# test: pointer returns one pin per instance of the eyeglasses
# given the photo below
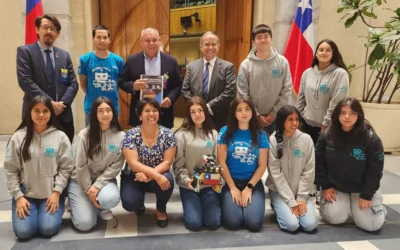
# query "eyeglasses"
(46, 28)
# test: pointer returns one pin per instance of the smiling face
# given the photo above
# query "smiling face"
(291, 123)
(209, 47)
(347, 118)
(40, 115)
(324, 53)
(149, 115)
(104, 114)
(47, 32)
(243, 112)
(197, 115)
(263, 41)
(101, 40)
(150, 43)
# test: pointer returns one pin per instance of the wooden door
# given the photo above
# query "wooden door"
(126, 19)
(234, 29)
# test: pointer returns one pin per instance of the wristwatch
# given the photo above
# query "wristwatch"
(250, 186)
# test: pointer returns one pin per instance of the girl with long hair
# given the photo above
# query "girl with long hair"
(291, 168)
(37, 166)
(98, 157)
(242, 155)
(195, 138)
(349, 164)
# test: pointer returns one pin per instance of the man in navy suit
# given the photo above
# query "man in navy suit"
(151, 61)
(44, 69)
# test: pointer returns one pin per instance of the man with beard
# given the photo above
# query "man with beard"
(43, 69)
(99, 71)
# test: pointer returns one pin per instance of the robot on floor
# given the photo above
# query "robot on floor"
(208, 175)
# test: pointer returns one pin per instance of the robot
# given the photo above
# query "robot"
(207, 175)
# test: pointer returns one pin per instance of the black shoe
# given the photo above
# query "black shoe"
(140, 212)
(162, 223)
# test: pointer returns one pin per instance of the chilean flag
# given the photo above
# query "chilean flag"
(300, 46)
(33, 9)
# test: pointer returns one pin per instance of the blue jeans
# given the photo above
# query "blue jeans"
(132, 192)
(251, 216)
(287, 220)
(39, 221)
(83, 212)
(200, 209)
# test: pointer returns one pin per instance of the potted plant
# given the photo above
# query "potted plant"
(382, 80)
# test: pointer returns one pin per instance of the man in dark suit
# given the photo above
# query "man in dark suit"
(44, 69)
(151, 61)
(211, 78)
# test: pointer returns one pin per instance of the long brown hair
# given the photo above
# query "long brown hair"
(337, 58)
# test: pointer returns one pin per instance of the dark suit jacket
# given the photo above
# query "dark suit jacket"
(134, 67)
(32, 78)
(222, 88)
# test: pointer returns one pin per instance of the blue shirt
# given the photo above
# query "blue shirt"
(242, 158)
(101, 77)
(152, 66)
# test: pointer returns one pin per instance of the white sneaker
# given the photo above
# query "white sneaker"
(106, 214)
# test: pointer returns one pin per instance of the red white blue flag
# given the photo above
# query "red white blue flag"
(33, 9)
(300, 46)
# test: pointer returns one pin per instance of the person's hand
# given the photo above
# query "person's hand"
(52, 202)
(263, 121)
(295, 211)
(270, 119)
(302, 207)
(189, 184)
(166, 103)
(58, 107)
(323, 127)
(140, 84)
(329, 195)
(363, 204)
(236, 196)
(163, 182)
(246, 196)
(92, 194)
(22, 207)
(141, 177)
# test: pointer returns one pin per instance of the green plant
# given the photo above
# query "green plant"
(384, 42)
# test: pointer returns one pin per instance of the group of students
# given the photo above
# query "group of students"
(40, 172)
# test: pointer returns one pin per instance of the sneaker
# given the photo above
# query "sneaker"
(106, 214)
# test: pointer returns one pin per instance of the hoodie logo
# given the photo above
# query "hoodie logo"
(358, 154)
(209, 144)
(50, 152)
(113, 148)
(324, 89)
(343, 89)
(297, 153)
(276, 72)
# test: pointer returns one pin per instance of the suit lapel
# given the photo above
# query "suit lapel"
(38, 54)
(163, 63)
(200, 69)
(140, 66)
(214, 74)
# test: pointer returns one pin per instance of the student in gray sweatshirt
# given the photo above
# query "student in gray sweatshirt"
(37, 166)
(291, 168)
(195, 138)
(98, 160)
(322, 86)
(265, 77)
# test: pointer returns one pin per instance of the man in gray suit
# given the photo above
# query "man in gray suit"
(211, 78)
(44, 69)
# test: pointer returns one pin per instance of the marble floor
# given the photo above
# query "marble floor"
(142, 232)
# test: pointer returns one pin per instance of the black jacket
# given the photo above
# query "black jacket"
(349, 167)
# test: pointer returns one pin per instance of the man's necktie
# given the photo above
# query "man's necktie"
(205, 81)
(50, 74)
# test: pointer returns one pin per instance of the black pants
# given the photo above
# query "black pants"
(312, 131)
(68, 128)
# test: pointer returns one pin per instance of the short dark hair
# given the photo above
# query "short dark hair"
(100, 27)
(260, 29)
(337, 58)
(143, 102)
(53, 19)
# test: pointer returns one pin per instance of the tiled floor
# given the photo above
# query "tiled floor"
(142, 232)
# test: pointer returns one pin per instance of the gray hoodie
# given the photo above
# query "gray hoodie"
(47, 171)
(293, 175)
(190, 151)
(320, 92)
(104, 167)
(267, 82)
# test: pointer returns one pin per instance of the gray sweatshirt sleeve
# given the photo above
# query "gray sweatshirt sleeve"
(111, 172)
(243, 84)
(12, 168)
(340, 92)
(279, 180)
(286, 88)
(81, 163)
(301, 99)
(65, 165)
(308, 175)
(180, 170)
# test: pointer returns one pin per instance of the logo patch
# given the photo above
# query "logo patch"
(358, 154)
(323, 88)
(343, 89)
(209, 144)
(50, 152)
(297, 153)
(113, 148)
(276, 72)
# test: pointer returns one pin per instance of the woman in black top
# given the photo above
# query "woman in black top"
(349, 164)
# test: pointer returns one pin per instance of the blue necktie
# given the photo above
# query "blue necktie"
(205, 81)
(50, 74)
